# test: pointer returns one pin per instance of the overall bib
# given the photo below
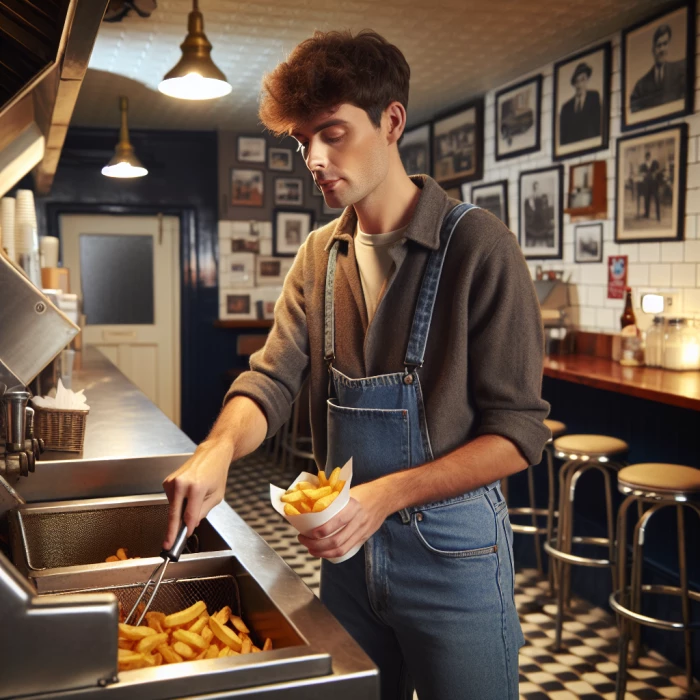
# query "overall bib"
(429, 597)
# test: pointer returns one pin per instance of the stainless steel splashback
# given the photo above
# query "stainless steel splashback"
(32, 330)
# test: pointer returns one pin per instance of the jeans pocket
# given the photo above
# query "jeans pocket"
(459, 530)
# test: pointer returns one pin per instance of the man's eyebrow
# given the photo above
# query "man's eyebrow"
(324, 125)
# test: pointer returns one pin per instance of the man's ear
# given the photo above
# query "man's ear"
(395, 115)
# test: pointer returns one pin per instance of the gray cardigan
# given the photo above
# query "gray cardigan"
(483, 365)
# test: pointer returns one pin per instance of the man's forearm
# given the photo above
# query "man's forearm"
(241, 427)
(481, 461)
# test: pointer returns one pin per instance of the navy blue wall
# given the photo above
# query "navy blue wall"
(182, 180)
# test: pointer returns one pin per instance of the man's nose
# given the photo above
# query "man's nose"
(316, 156)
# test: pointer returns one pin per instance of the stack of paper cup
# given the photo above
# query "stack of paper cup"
(26, 237)
(7, 225)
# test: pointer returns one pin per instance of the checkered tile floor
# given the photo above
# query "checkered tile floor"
(585, 669)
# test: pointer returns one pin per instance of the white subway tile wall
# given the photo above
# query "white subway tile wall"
(652, 266)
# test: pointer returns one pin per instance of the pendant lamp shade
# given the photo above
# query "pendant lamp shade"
(195, 76)
(124, 163)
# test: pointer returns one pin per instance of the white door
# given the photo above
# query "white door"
(126, 271)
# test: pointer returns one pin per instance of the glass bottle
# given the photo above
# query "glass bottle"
(673, 344)
(628, 318)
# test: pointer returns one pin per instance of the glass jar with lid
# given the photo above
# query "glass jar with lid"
(681, 345)
(690, 339)
(654, 351)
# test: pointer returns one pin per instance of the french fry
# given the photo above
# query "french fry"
(322, 480)
(134, 633)
(333, 478)
(111, 559)
(159, 659)
(148, 644)
(207, 634)
(193, 640)
(125, 656)
(121, 554)
(238, 623)
(184, 616)
(301, 485)
(268, 645)
(339, 485)
(169, 656)
(223, 615)
(293, 497)
(212, 652)
(126, 644)
(155, 621)
(200, 655)
(247, 646)
(289, 509)
(225, 634)
(304, 507)
(315, 494)
(198, 625)
(225, 651)
(323, 503)
(184, 650)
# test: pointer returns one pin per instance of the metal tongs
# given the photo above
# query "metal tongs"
(172, 554)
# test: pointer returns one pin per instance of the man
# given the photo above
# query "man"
(579, 118)
(535, 217)
(402, 314)
(665, 81)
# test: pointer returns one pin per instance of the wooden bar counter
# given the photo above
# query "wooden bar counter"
(680, 389)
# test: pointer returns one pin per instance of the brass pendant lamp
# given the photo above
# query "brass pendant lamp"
(195, 76)
(124, 164)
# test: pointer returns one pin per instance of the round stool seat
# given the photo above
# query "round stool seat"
(591, 445)
(669, 478)
(556, 427)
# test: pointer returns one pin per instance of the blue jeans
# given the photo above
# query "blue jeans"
(430, 599)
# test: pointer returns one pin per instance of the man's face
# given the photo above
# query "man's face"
(581, 84)
(347, 155)
(535, 187)
(661, 49)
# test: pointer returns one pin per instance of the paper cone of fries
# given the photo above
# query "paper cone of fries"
(305, 522)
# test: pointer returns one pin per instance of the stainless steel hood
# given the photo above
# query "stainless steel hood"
(44, 51)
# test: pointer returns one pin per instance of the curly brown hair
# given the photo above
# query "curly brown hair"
(330, 69)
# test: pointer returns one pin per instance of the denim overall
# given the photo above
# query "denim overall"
(429, 597)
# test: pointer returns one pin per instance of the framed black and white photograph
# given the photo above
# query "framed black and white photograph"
(280, 159)
(540, 218)
(458, 145)
(518, 109)
(289, 191)
(650, 185)
(251, 149)
(493, 197)
(581, 114)
(658, 67)
(247, 187)
(270, 271)
(588, 243)
(237, 304)
(237, 270)
(415, 150)
(291, 229)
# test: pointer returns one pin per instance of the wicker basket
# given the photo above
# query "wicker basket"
(62, 430)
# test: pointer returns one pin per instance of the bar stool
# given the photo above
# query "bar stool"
(293, 444)
(581, 454)
(662, 486)
(557, 428)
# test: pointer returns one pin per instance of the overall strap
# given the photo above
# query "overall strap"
(415, 353)
(329, 308)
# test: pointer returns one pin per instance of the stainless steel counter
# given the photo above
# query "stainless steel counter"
(131, 447)
(134, 444)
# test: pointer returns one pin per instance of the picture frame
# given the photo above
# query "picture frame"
(588, 243)
(271, 271)
(237, 270)
(518, 115)
(416, 149)
(458, 144)
(291, 227)
(658, 67)
(289, 191)
(454, 193)
(247, 187)
(492, 196)
(588, 190)
(651, 170)
(280, 159)
(265, 300)
(540, 198)
(243, 236)
(251, 149)
(581, 103)
(237, 304)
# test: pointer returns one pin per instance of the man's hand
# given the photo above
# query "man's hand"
(202, 481)
(356, 523)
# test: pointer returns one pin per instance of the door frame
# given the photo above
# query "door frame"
(187, 275)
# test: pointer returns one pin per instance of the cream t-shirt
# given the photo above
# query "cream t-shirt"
(375, 263)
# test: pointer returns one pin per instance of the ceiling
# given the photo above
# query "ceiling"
(456, 49)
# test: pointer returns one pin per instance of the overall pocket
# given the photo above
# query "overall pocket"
(466, 528)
